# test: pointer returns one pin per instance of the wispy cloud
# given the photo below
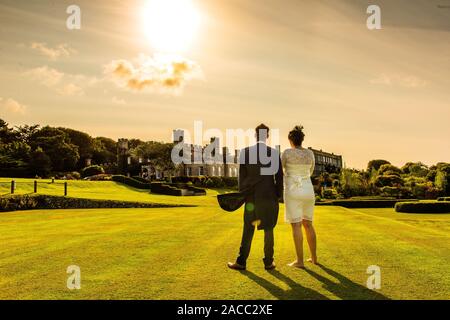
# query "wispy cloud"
(162, 73)
(12, 106)
(407, 81)
(61, 50)
(63, 83)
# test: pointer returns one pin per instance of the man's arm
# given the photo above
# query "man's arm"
(279, 179)
(242, 171)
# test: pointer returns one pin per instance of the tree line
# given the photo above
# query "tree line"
(32, 150)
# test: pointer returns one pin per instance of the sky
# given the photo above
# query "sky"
(128, 72)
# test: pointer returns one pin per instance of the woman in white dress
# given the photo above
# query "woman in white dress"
(299, 197)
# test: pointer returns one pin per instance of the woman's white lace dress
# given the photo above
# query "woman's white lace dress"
(299, 198)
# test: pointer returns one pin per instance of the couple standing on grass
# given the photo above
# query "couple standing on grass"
(261, 183)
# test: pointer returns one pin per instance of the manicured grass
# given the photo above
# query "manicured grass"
(96, 190)
(181, 253)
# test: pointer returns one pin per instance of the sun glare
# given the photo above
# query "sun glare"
(170, 25)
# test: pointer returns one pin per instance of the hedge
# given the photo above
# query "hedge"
(160, 188)
(423, 207)
(443, 199)
(388, 203)
(176, 189)
(29, 202)
(140, 179)
(131, 182)
(92, 171)
(209, 182)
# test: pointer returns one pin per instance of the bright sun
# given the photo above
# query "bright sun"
(170, 25)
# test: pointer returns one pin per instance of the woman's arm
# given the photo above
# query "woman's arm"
(313, 164)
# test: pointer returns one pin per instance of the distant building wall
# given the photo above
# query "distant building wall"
(326, 162)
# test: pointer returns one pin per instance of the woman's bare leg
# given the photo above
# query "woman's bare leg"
(311, 238)
(298, 241)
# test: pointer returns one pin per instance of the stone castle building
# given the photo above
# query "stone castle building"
(325, 161)
(224, 164)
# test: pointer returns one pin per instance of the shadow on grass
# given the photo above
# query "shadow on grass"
(296, 291)
(346, 289)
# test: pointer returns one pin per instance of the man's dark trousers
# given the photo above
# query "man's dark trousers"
(246, 243)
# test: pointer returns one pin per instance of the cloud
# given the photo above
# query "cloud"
(406, 81)
(118, 101)
(162, 73)
(63, 83)
(12, 106)
(46, 76)
(61, 50)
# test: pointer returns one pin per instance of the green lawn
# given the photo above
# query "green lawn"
(181, 253)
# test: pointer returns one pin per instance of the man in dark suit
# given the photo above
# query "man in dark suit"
(261, 181)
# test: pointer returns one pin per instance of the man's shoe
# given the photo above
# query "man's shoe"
(235, 266)
(270, 267)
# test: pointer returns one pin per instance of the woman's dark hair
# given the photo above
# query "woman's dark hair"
(297, 136)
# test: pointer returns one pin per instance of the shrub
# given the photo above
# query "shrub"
(131, 182)
(29, 202)
(75, 175)
(395, 192)
(209, 182)
(390, 203)
(230, 182)
(140, 179)
(329, 194)
(388, 181)
(176, 189)
(161, 188)
(92, 171)
(215, 182)
(352, 183)
(423, 207)
(376, 164)
(389, 169)
(442, 180)
(100, 177)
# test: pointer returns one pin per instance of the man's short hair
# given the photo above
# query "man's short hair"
(262, 132)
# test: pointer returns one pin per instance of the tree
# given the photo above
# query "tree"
(24, 133)
(105, 151)
(389, 181)
(389, 169)
(6, 134)
(84, 142)
(40, 163)
(353, 183)
(158, 155)
(56, 145)
(376, 164)
(14, 159)
(442, 180)
(417, 169)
